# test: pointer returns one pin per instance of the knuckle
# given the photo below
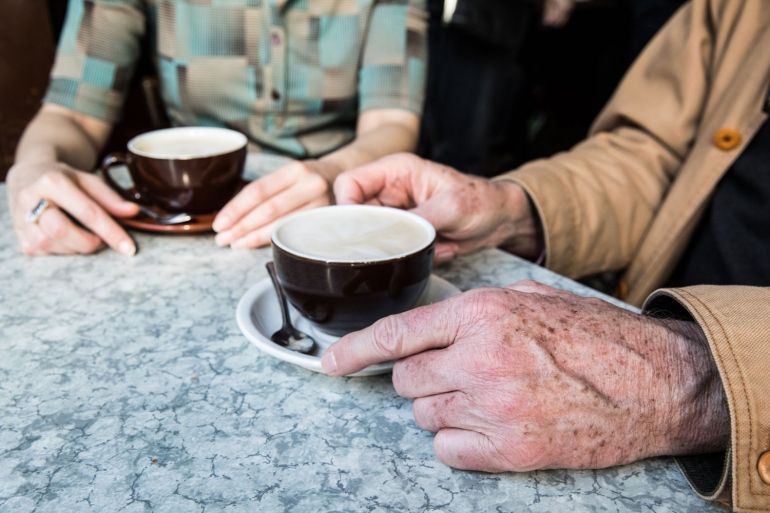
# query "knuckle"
(489, 301)
(27, 248)
(58, 230)
(399, 377)
(387, 338)
(41, 246)
(52, 180)
(92, 245)
(422, 415)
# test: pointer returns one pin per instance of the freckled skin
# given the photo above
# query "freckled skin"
(468, 212)
(530, 378)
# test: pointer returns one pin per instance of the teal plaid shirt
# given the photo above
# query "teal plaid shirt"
(290, 74)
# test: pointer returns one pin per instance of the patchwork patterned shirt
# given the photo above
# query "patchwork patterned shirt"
(290, 74)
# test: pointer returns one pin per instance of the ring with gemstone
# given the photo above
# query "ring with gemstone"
(34, 215)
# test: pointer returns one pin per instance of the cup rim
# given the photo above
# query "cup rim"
(353, 261)
(240, 142)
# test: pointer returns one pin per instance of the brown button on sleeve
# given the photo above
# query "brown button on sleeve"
(763, 467)
(727, 139)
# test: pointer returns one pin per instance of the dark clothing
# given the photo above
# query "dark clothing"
(476, 109)
(648, 16)
(731, 245)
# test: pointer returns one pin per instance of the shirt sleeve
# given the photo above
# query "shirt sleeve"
(736, 322)
(393, 68)
(98, 49)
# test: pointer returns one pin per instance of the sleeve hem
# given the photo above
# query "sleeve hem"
(391, 102)
(708, 479)
(102, 111)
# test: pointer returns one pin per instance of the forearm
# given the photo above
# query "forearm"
(55, 135)
(372, 143)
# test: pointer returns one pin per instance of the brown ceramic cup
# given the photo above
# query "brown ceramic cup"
(348, 290)
(187, 169)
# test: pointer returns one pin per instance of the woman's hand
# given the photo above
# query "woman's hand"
(247, 221)
(77, 219)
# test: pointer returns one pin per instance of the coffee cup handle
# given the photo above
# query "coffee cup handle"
(114, 159)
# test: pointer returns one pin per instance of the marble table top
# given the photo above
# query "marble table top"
(126, 386)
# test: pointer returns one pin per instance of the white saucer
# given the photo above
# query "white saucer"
(259, 317)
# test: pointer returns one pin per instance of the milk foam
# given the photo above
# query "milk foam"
(350, 234)
(187, 142)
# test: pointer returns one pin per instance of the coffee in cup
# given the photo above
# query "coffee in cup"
(344, 267)
(187, 169)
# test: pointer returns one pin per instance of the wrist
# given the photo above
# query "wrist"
(523, 233)
(23, 172)
(692, 408)
(328, 167)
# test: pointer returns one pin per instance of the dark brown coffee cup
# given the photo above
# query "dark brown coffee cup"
(344, 293)
(187, 169)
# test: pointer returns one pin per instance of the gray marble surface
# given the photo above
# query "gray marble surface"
(125, 385)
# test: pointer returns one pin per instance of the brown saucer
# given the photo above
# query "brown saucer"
(199, 224)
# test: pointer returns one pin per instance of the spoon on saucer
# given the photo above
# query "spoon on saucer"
(288, 336)
(159, 218)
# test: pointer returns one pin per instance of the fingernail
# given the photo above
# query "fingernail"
(127, 248)
(329, 363)
(220, 223)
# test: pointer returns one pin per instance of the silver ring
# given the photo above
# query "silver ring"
(34, 215)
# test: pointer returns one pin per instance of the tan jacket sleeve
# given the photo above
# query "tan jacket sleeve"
(605, 191)
(736, 322)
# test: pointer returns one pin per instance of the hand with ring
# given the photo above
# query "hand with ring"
(59, 210)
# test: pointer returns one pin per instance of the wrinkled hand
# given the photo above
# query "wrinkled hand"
(468, 212)
(530, 377)
(247, 221)
(84, 196)
(556, 13)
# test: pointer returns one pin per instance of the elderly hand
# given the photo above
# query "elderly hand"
(530, 377)
(247, 221)
(468, 212)
(84, 196)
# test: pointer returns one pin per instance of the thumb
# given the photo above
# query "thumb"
(438, 210)
(365, 183)
(397, 336)
(347, 190)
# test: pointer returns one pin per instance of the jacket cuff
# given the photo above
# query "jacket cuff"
(736, 323)
(559, 225)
